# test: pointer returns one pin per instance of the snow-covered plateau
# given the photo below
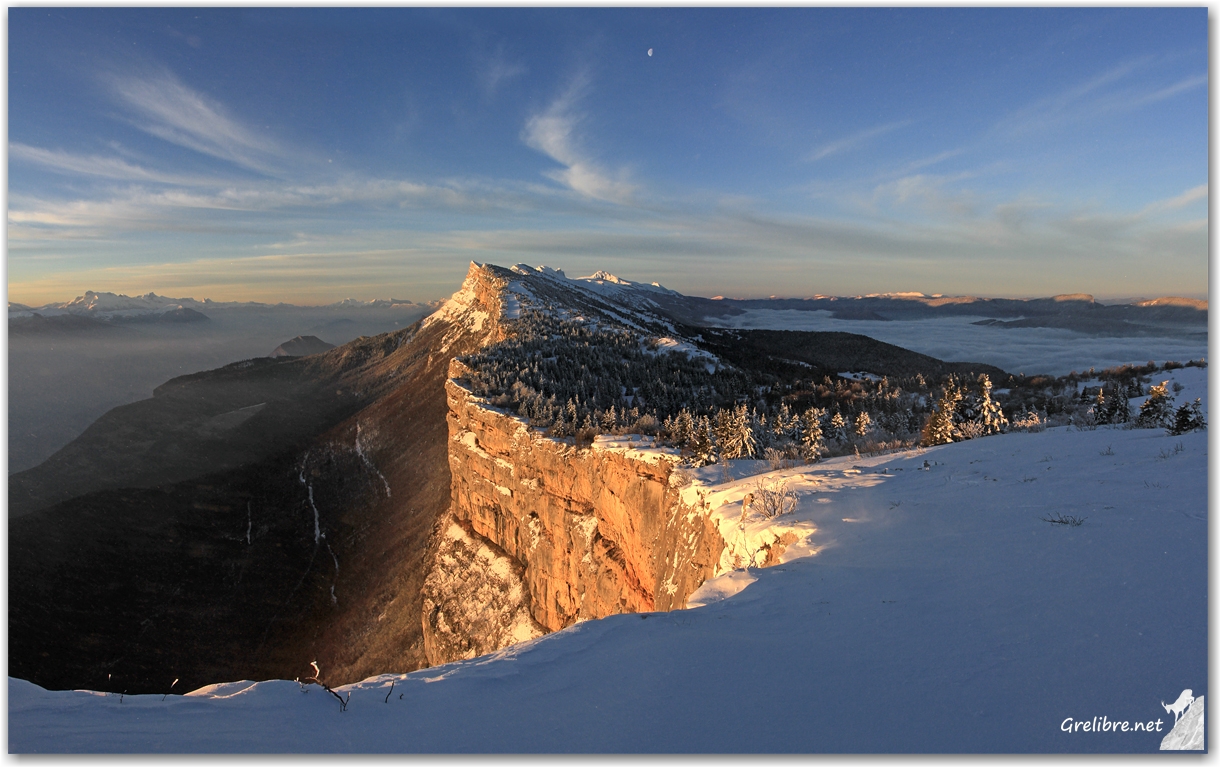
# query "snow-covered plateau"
(938, 600)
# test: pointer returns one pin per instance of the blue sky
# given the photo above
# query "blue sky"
(311, 155)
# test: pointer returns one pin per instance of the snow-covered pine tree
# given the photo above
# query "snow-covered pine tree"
(561, 428)
(760, 432)
(702, 446)
(1157, 410)
(684, 425)
(939, 430)
(1101, 407)
(862, 423)
(838, 427)
(1188, 418)
(990, 415)
(784, 424)
(724, 434)
(813, 443)
(743, 444)
(1119, 408)
(609, 420)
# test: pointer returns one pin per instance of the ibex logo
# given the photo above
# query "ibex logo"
(1179, 706)
(1188, 715)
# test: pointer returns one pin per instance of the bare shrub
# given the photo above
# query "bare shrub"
(648, 424)
(1067, 520)
(773, 499)
(971, 430)
(779, 460)
(585, 437)
(1030, 422)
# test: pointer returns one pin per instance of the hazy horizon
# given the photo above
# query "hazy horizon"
(309, 155)
(272, 299)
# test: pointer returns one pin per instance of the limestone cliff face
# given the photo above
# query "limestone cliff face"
(592, 531)
(470, 572)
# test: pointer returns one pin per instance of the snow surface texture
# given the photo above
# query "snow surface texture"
(955, 339)
(941, 613)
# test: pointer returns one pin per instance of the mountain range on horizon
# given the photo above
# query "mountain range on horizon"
(1077, 311)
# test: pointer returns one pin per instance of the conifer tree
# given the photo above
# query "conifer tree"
(939, 430)
(1188, 418)
(724, 434)
(1101, 407)
(784, 425)
(813, 444)
(702, 446)
(684, 425)
(1157, 410)
(862, 423)
(838, 427)
(1119, 408)
(990, 415)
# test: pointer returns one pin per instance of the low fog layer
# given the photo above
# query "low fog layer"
(1016, 350)
(60, 382)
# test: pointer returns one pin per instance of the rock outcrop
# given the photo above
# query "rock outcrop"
(593, 530)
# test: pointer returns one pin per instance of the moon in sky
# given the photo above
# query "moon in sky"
(650, 51)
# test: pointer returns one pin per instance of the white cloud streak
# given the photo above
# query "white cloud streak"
(171, 111)
(554, 133)
(853, 141)
(495, 69)
(96, 165)
(1100, 95)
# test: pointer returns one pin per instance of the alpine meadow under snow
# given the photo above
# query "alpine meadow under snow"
(981, 596)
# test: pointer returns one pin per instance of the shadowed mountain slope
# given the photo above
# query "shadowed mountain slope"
(240, 524)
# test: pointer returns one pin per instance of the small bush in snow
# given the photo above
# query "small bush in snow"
(1066, 520)
(772, 500)
(1030, 422)
(779, 459)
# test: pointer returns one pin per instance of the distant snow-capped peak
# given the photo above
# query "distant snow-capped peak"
(93, 302)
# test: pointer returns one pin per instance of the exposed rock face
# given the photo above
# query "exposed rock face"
(474, 599)
(593, 531)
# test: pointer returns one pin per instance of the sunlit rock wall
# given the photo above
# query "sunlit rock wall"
(593, 531)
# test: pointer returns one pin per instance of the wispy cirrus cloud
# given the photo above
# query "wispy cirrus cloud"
(240, 204)
(167, 108)
(115, 168)
(1176, 202)
(495, 68)
(851, 142)
(554, 133)
(1113, 91)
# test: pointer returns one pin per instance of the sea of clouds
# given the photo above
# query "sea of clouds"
(1016, 350)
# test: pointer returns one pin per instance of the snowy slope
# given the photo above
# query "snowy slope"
(940, 613)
